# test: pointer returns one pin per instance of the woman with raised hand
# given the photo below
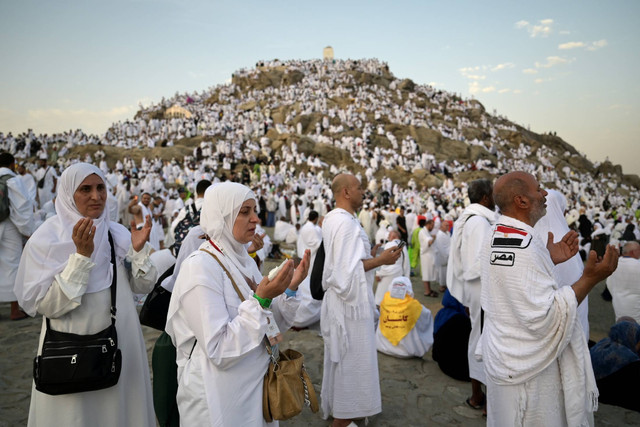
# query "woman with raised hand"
(65, 275)
(222, 352)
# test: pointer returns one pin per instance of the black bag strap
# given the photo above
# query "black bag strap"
(113, 280)
(113, 283)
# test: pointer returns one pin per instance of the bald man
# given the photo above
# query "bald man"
(350, 383)
(537, 364)
(624, 283)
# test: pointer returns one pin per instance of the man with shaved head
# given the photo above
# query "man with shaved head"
(350, 383)
(624, 284)
(536, 360)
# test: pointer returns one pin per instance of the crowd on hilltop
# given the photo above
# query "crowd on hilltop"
(233, 135)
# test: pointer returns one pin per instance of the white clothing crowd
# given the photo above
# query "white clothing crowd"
(289, 185)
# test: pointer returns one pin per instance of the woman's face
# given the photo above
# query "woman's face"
(245, 225)
(91, 196)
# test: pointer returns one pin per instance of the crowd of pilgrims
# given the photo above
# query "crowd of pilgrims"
(235, 147)
(232, 136)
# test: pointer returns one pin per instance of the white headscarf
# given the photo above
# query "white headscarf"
(47, 251)
(568, 272)
(404, 283)
(597, 230)
(221, 206)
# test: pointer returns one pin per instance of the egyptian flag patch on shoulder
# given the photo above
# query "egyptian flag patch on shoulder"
(506, 236)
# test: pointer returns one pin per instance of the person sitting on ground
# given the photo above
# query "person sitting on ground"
(405, 328)
(616, 365)
(451, 331)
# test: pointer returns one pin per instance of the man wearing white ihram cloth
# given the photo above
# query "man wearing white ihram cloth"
(537, 364)
(463, 272)
(350, 383)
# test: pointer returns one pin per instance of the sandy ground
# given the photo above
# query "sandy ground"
(414, 391)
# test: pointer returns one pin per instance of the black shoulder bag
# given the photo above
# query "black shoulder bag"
(156, 305)
(315, 281)
(72, 363)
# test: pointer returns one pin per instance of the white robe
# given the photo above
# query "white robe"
(387, 273)
(46, 192)
(464, 269)
(567, 273)
(30, 185)
(350, 385)
(415, 344)
(532, 341)
(128, 403)
(367, 222)
(309, 311)
(220, 384)
(19, 223)
(442, 246)
(427, 256)
(623, 285)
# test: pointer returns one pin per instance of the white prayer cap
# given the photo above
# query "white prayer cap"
(43, 156)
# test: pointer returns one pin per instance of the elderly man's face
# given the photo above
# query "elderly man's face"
(537, 196)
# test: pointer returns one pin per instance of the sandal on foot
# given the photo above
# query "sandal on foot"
(432, 294)
(471, 405)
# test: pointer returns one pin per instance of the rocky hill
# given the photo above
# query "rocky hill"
(363, 104)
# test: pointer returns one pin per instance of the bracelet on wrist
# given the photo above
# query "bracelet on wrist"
(252, 254)
(290, 293)
(264, 302)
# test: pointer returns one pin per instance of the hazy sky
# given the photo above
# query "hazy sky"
(563, 66)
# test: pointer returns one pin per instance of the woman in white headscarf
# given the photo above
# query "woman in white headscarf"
(221, 347)
(568, 272)
(65, 275)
